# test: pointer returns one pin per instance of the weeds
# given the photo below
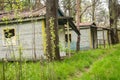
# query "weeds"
(54, 70)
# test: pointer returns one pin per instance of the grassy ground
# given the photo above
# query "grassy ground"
(106, 68)
(100, 64)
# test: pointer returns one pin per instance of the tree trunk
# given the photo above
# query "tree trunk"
(11, 5)
(93, 10)
(78, 4)
(51, 13)
(37, 3)
(69, 8)
(1, 5)
(113, 21)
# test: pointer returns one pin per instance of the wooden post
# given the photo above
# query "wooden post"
(108, 36)
(68, 32)
(103, 38)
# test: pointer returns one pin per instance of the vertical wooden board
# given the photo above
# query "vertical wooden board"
(106, 36)
(90, 38)
(100, 34)
(95, 36)
(43, 37)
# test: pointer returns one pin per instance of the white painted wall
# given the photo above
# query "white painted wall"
(25, 35)
(84, 39)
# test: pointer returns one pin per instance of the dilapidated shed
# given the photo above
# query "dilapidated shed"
(24, 33)
(103, 36)
(88, 37)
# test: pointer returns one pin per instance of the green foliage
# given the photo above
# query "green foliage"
(17, 4)
(103, 64)
(52, 32)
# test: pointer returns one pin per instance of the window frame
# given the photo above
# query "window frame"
(66, 37)
(11, 40)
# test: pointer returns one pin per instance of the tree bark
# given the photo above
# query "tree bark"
(93, 10)
(78, 20)
(37, 3)
(113, 21)
(51, 12)
(1, 5)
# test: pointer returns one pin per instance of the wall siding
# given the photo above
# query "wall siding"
(31, 43)
(84, 39)
(25, 37)
(100, 36)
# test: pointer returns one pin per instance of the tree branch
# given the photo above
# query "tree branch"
(88, 7)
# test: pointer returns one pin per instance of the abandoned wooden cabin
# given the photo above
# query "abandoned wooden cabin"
(88, 37)
(27, 31)
(103, 36)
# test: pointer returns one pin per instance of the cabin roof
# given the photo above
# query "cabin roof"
(87, 25)
(33, 15)
(24, 14)
(103, 28)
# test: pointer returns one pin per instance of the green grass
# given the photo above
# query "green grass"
(62, 70)
(107, 68)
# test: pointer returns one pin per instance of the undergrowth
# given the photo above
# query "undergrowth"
(62, 70)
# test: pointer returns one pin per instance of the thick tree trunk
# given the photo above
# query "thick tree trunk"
(51, 12)
(78, 2)
(113, 21)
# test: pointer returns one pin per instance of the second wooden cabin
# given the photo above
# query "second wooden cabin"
(88, 39)
(103, 36)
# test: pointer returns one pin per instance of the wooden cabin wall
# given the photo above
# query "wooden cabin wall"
(84, 39)
(101, 36)
(29, 38)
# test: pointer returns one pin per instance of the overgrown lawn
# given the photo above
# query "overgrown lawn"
(63, 70)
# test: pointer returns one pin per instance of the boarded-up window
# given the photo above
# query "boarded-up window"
(9, 33)
(67, 37)
(9, 37)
